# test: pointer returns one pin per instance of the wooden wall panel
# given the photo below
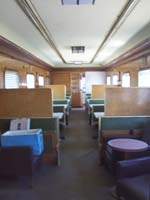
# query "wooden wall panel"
(62, 78)
(22, 68)
(59, 91)
(19, 103)
(132, 68)
(77, 99)
(127, 101)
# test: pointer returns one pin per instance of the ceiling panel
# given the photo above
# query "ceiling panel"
(132, 24)
(16, 27)
(78, 25)
(72, 25)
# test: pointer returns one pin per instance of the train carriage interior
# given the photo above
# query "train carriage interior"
(75, 99)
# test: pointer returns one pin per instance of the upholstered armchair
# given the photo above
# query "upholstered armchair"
(133, 179)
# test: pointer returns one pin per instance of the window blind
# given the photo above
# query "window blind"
(41, 80)
(115, 80)
(126, 80)
(108, 80)
(11, 79)
(144, 78)
(30, 81)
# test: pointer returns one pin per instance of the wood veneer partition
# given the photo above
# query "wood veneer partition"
(20, 103)
(127, 101)
(98, 91)
(59, 91)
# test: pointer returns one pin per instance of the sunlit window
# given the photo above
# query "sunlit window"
(11, 79)
(144, 78)
(126, 80)
(30, 81)
(41, 80)
(115, 80)
(108, 80)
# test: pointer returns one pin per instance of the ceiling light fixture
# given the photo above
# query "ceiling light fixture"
(78, 49)
(77, 62)
(77, 2)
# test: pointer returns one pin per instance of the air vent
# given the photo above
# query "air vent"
(77, 49)
(77, 2)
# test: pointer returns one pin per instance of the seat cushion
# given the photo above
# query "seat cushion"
(135, 188)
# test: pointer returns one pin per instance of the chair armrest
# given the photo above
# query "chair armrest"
(133, 167)
(17, 160)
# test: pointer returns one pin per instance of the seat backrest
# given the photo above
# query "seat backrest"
(4, 125)
(122, 123)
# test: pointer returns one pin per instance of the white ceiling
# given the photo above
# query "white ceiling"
(73, 25)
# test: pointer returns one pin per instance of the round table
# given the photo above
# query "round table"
(128, 145)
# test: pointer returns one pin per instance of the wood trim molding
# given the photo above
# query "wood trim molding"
(77, 69)
(137, 52)
(12, 50)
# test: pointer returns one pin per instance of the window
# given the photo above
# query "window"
(82, 84)
(115, 80)
(108, 80)
(41, 80)
(30, 81)
(144, 78)
(126, 80)
(11, 79)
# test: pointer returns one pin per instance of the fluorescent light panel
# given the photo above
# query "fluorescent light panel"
(86, 2)
(77, 2)
(77, 49)
(69, 2)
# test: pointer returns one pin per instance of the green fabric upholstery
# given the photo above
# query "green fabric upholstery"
(47, 144)
(46, 124)
(124, 122)
(58, 109)
(88, 95)
(98, 108)
(96, 101)
(60, 101)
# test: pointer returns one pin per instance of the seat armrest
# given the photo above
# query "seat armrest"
(17, 160)
(133, 167)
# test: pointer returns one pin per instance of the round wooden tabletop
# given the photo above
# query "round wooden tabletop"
(128, 145)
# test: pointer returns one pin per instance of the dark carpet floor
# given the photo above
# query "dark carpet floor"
(79, 177)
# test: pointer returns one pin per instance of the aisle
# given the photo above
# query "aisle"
(78, 178)
(86, 180)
